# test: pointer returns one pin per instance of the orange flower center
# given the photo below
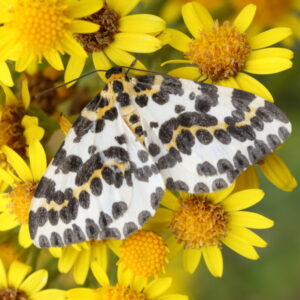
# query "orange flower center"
(21, 196)
(199, 223)
(11, 128)
(39, 24)
(268, 11)
(108, 20)
(12, 294)
(145, 253)
(219, 53)
(120, 293)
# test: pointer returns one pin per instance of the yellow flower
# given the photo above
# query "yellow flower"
(201, 223)
(143, 254)
(16, 283)
(126, 288)
(224, 54)
(80, 257)
(33, 29)
(172, 8)
(274, 13)
(118, 35)
(14, 205)
(5, 76)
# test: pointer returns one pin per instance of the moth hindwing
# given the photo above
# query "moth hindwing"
(139, 136)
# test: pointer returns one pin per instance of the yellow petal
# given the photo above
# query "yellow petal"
(16, 274)
(114, 245)
(81, 26)
(25, 94)
(242, 199)
(173, 245)
(50, 294)
(67, 259)
(247, 180)
(122, 7)
(248, 235)
(99, 253)
(249, 84)
(191, 73)
(35, 282)
(160, 222)
(270, 37)
(54, 59)
(170, 11)
(81, 294)
(5, 76)
(230, 82)
(245, 18)
(125, 276)
(33, 133)
(10, 98)
(18, 164)
(250, 220)
(157, 287)
(56, 251)
(38, 160)
(277, 172)
(221, 195)
(80, 9)
(99, 274)
(72, 47)
(196, 17)
(122, 58)
(24, 236)
(5, 176)
(101, 62)
(4, 203)
(272, 52)
(191, 260)
(64, 124)
(138, 283)
(29, 121)
(136, 42)
(267, 65)
(24, 61)
(74, 68)
(240, 246)
(143, 23)
(214, 260)
(8, 221)
(175, 61)
(81, 267)
(179, 40)
(170, 201)
(3, 278)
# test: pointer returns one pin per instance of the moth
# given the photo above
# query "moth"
(140, 136)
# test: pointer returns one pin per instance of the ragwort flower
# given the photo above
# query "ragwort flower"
(33, 29)
(15, 204)
(118, 35)
(224, 54)
(126, 288)
(17, 284)
(201, 223)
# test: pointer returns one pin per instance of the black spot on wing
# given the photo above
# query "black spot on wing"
(104, 220)
(81, 127)
(91, 228)
(177, 185)
(44, 242)
(189, 119)
(143, 217)
(117, 153)
(129, 227)
(118, 209)
(275, 112)
(56, 240)
(242, 99)
(185, 141)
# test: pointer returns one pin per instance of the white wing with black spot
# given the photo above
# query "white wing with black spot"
(203, 136)
(101, 183)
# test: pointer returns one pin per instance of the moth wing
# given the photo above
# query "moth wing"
(203, 136)
(100, 184)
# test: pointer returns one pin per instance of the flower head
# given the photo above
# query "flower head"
(33, 29)
(17, 284)
(126, 288)
(144, 254)
(118, 35)
(223, 53)
(201, 223)
(15, 204)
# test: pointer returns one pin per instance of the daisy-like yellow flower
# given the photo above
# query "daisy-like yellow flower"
(224, 54)
(274, 13)
(15, 204)
(201, 223)
(33, 29)
(143, 254)
(16, 283)
(126, 288)
(118, 35)
(171, 9)
(79, 257)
